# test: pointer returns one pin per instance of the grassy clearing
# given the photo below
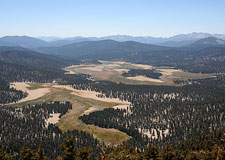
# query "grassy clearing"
(70, 121)
(108, 71)
(34, 86)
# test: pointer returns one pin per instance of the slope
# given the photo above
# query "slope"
(99, 49)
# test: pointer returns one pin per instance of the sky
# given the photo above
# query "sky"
(68, 18)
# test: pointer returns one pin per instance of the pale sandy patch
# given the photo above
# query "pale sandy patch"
(53, 119)
(90, 110)
(121, 70)
(32, 94)
(142, 66)
(143, 78)
(70, 72)
(121, 106)
(96, 68)
(91, 94)
(168, 72)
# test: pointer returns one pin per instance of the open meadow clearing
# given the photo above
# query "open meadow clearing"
(83, 102)
(113, 70)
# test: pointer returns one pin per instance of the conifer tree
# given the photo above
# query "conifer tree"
(68, 149)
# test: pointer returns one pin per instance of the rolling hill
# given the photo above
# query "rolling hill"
(22, 56)
(206, 43)
(22, 41)
(104, 48)
(209, 41)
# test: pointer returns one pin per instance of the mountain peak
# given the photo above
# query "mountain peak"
(210, 41)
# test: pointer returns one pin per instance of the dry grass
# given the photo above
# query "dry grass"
(34, 86)
(80, 105)
(112, 71)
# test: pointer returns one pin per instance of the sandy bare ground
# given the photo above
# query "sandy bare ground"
(106, 66)
(90, 110)
(143, 78)
(32, 94)
(142, 66)
(121, 70)
(121, 106)
(168, 72)
(95, 68)
(53, 119)
(70, 72)
(91, 94)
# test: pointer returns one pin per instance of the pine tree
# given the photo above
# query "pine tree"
(40, 153)
(68, 148)
(4, 155)
(84, 153)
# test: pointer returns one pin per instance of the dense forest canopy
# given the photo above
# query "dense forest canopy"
(142, 72)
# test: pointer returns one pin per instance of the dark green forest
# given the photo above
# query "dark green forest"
(204, 147)
(142, 72)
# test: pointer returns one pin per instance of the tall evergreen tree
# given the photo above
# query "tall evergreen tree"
(68, 149)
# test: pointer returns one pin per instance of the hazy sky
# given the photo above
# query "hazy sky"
(110, 17)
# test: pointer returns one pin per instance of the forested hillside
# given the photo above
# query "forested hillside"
(203, 147)
(208, 60)
(22, 56)
(27, 126)
(99, 49)
(9, 95)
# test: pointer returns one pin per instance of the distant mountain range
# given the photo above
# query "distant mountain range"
(79, 47)
(22, 41)
(207, 54)
(111, 48)
(174, 41)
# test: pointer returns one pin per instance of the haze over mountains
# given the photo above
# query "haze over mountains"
(144, 39)
(102, 48)
(29, 49)
(174, 41)
(206, 54)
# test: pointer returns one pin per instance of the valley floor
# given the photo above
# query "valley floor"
(83, 102)
(113, 70)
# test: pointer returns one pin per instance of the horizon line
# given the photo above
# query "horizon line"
(62, 37)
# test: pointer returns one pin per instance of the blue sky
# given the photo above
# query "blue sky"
(67, 18)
